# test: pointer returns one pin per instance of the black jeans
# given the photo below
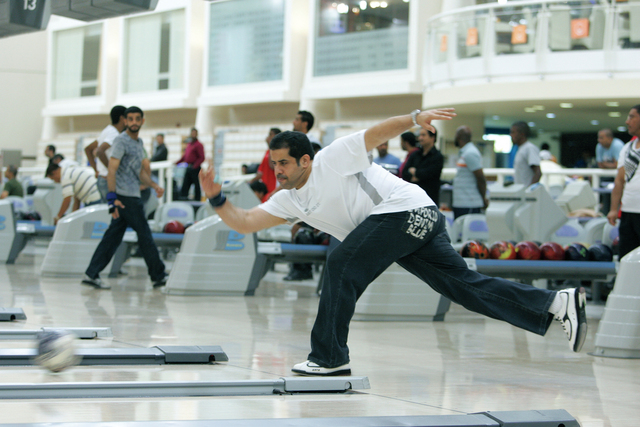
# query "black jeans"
(132, 215)
(191, 178)
(416, 240)
(457, 212)
(629, 232)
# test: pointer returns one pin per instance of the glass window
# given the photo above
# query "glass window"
(154, 52)
(76, 62)
(246, 41)
(356, 36)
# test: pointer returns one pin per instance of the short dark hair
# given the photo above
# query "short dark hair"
(433, 134)
(51, 169)
(51, 148)
(259, 186)
(133, 109)
(275, 131)
(13, 169)
(637, 108)
(58, 157)
(523, 128)
(464, 134)
(306, 116)
(297, 143)
(116, 113)
(410, 138)
(545, 146)
(160, 134)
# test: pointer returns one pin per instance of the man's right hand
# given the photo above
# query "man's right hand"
(114, 204)
(208, 182)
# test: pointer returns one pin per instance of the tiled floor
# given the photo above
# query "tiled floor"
(465, 364)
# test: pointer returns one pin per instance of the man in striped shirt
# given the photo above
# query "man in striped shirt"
(78, 183)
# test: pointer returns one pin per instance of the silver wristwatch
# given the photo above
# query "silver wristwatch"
(414, 116)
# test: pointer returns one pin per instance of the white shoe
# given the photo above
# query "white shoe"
(573, 316)
(310, 368)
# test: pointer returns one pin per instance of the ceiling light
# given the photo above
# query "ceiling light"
(613, 104)
(383, 4)
(532, 124)
(530, 110)
(374, 4)
(595, 122)
(355, 10)
(614, 114)
(343, 8)
(406, 1)
(551, 116)
(566, 105)
(538, 107)
(363, 5)
(622, 128)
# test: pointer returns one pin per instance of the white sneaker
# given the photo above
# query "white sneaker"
(573, 316)
(96, 283)
(310, 368)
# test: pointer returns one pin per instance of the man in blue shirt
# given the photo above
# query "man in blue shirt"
(387, 160)
(469, 184)
(608, 149)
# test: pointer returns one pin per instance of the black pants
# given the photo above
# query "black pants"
(416, 240)
(132, 215)
(629, 232)
(191, 178)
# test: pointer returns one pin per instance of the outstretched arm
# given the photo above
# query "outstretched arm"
(394, 126)
(241, 220)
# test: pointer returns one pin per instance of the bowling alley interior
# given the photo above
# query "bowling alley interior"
(212, 340)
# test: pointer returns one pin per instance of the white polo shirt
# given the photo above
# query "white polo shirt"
(343, 189)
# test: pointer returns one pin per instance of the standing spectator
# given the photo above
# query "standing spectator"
(408, 143)
(527, 161)
(424, 167)
(12, 187)
(160, 153)
(193, 156)
(469, 184)
(78, 183)
(626, 189)
(98, 151)
(385, 158)
(545, 153)
(303, 122)
(265, 170)
(49, 152)
(608, 149)
(125, 206)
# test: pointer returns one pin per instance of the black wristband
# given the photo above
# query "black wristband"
(218, 200)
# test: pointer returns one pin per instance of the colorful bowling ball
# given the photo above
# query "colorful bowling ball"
(600, 252)
(576, 252)
(551, 251)
(502, 250)
(174, 227)
(527, 250)
(474, 249)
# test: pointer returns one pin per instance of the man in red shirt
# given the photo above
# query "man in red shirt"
(193, 156)
(265, 170)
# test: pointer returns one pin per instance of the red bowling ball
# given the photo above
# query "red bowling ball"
(502, 250)
(552, 251)
(174, 227)
(528, 251)
(474, 249)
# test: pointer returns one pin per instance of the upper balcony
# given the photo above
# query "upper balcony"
(556, 47)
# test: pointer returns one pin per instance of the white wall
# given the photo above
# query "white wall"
(23, 62)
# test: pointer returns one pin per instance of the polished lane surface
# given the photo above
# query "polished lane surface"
(468, 363)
